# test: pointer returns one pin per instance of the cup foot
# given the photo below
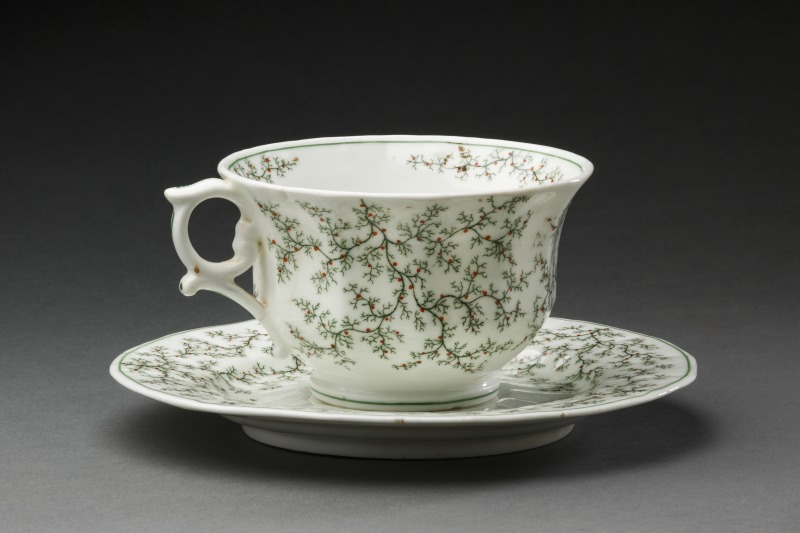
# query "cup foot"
(403, 406)
(480, 391)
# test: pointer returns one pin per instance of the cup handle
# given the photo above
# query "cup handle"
(207, 275)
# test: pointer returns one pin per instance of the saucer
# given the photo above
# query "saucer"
(574, 369)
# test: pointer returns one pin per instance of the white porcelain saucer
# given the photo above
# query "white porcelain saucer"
(574, 369)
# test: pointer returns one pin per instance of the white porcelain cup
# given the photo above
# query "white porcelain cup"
(405, 271)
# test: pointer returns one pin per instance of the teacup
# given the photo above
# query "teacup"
(405, 271)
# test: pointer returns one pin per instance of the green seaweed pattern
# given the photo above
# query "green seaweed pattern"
(220, 366)
(464, 164)
(264, 168)
(406, 254)
(595, 362)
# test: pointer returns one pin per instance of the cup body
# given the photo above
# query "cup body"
(405, 271)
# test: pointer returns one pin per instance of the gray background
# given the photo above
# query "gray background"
(688, 231)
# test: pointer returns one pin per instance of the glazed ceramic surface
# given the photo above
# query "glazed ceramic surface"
(403, 271)
(572, 370)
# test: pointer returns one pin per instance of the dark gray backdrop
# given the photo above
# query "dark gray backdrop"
(688, 231)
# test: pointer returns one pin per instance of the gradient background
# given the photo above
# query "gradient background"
(688, 231)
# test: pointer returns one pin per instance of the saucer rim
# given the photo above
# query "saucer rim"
(421, 418)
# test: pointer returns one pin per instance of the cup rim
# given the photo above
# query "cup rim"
(584, 164)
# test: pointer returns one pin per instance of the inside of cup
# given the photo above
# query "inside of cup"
(406, 167)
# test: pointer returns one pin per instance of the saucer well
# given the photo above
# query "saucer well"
(574, 369)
